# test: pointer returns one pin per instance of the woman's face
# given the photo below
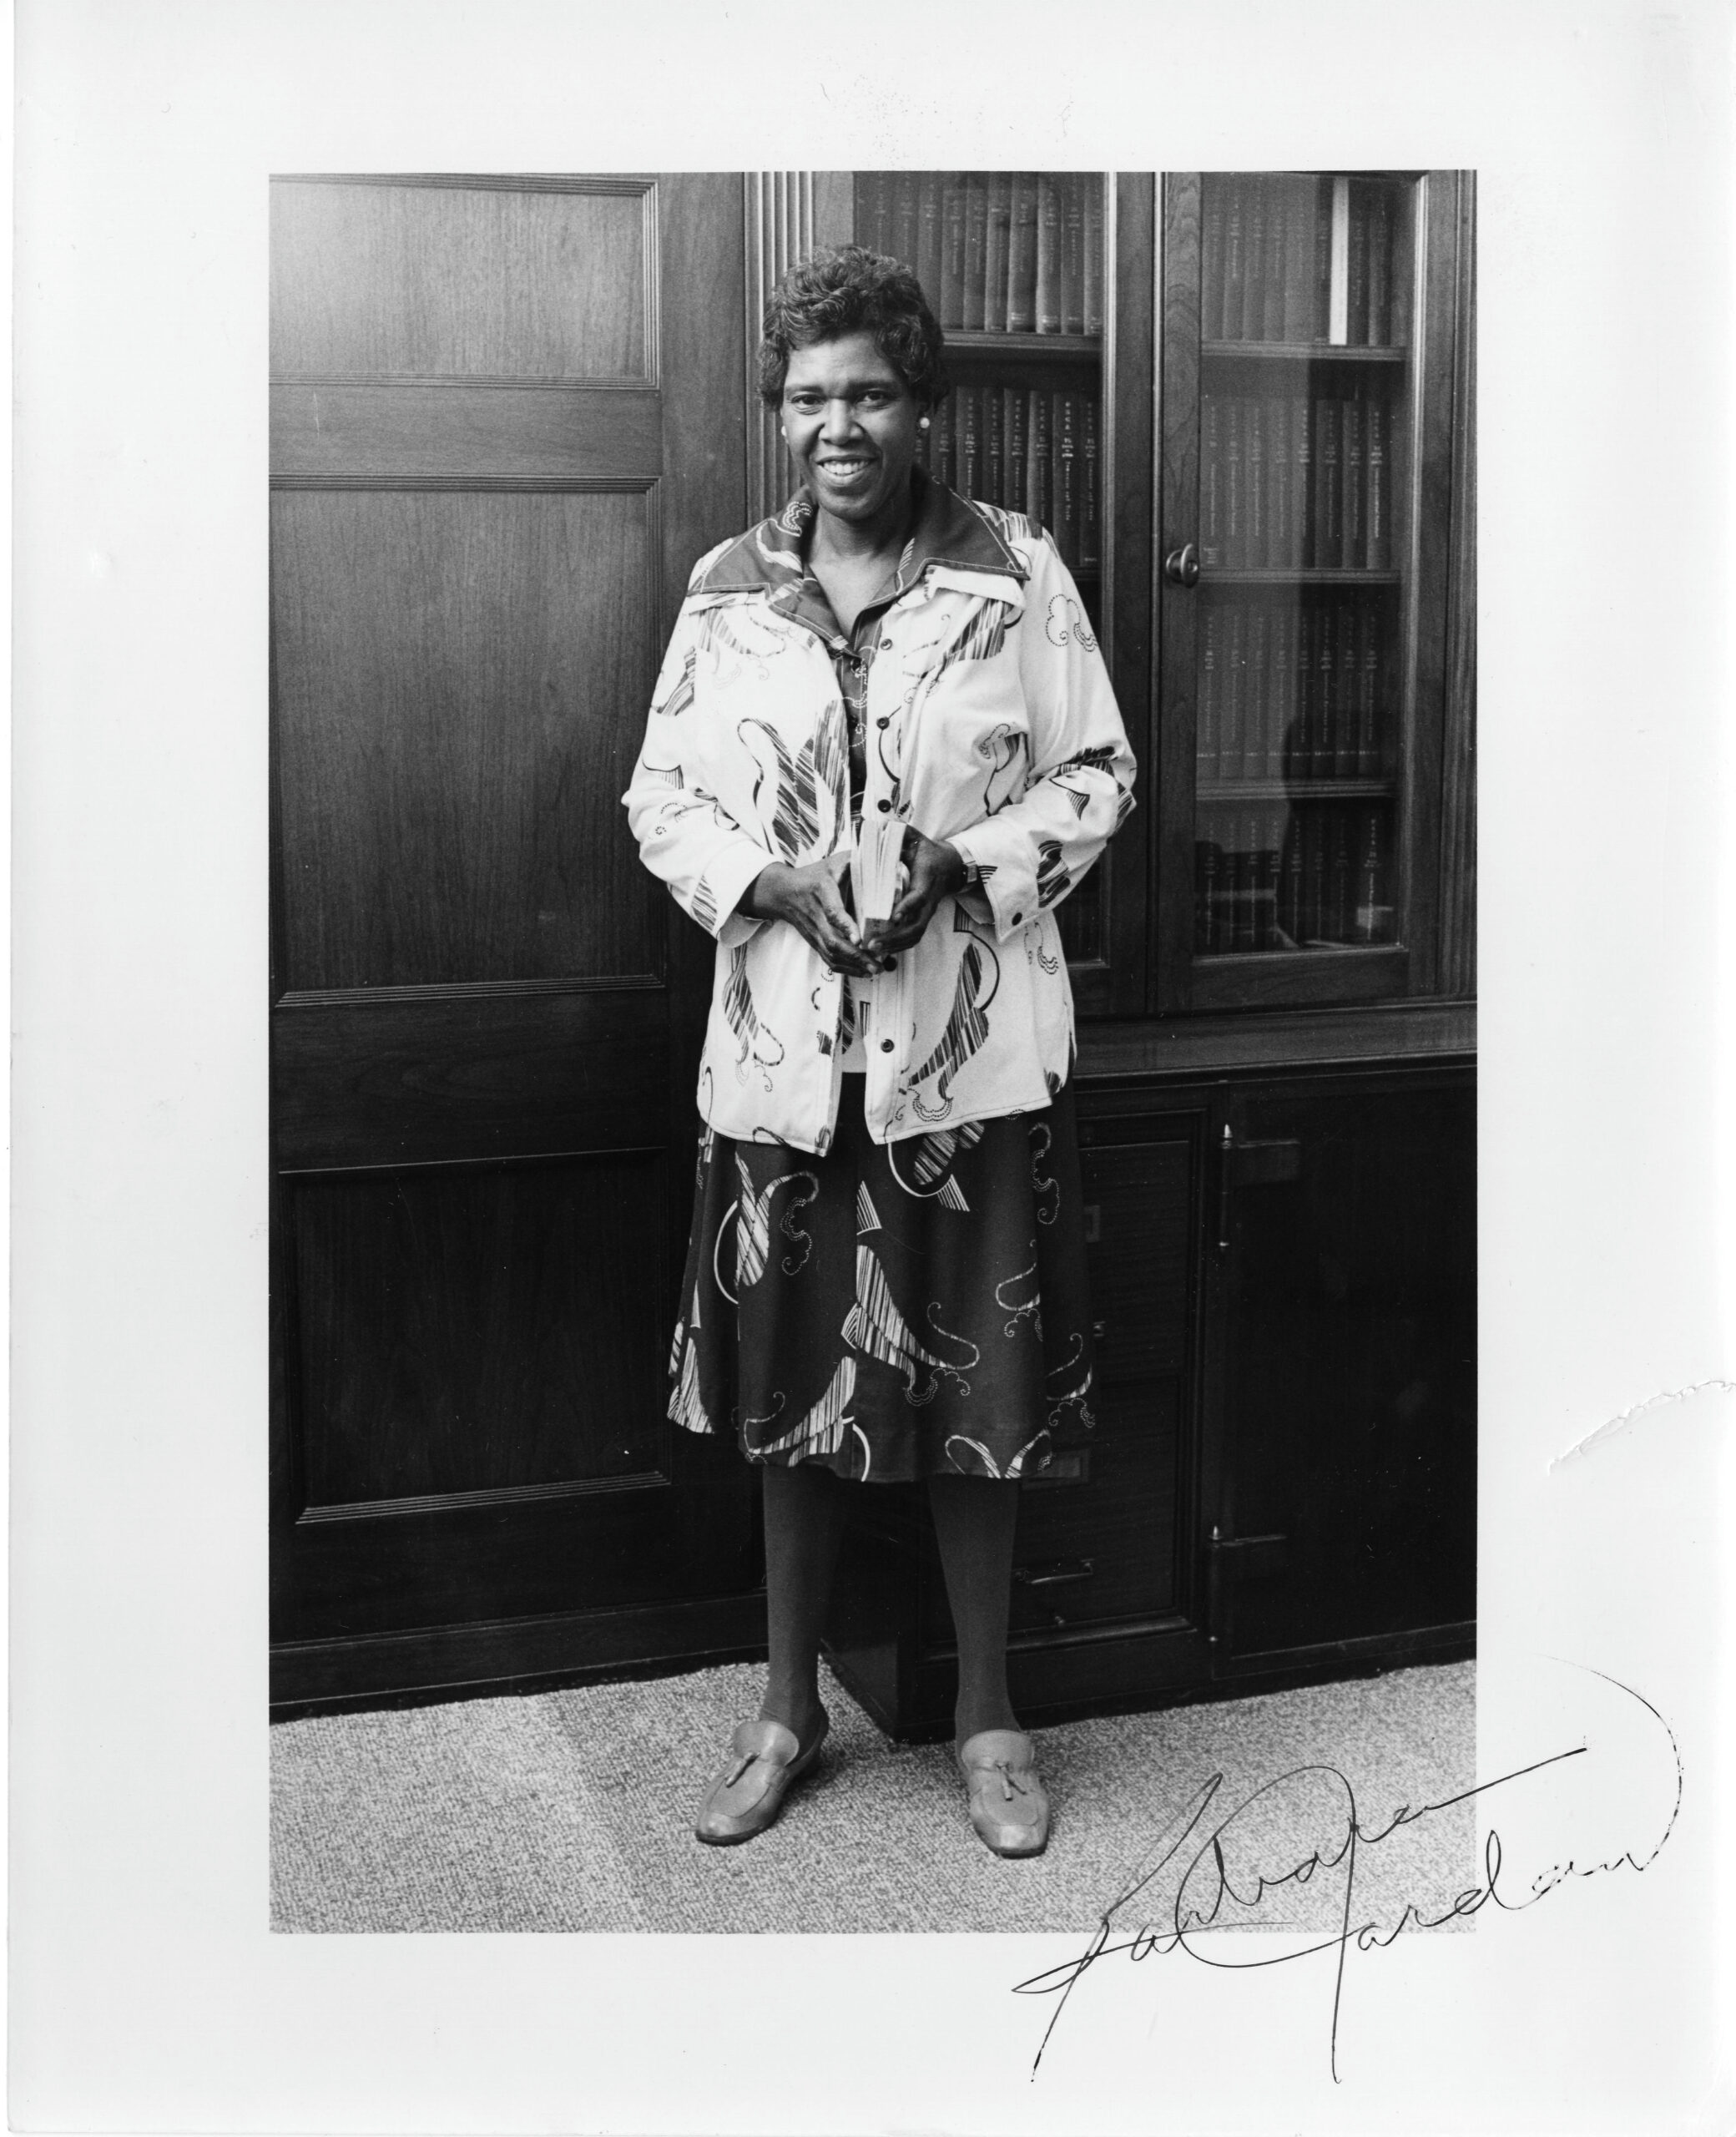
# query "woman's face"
(851, 424)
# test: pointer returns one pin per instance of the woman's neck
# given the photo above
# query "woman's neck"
(864, 541)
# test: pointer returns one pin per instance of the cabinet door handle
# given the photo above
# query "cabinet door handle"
(1181, 567)
(1055, 1576)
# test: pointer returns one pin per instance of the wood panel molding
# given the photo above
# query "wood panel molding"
(567, 1488)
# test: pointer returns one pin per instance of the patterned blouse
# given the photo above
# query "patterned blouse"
(988, 721)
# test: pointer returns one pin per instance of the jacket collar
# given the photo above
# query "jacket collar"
(950, 531)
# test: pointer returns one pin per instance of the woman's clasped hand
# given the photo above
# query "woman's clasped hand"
(814, 900)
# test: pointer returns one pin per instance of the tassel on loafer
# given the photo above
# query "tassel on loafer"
(1008, 1806)
(765, 1762)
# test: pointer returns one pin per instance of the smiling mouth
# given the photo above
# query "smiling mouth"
(843, 467)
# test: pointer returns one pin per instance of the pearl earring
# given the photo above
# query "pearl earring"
(921, 422)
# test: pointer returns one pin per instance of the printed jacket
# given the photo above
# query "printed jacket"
(990, 723)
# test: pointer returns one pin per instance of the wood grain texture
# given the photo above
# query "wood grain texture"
(459, 1331)
(456, 282)
(1251, 1040)
(458, 435)
(426, 1080)
(461, 686)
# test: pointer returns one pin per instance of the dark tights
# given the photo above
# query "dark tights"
(974, 1520)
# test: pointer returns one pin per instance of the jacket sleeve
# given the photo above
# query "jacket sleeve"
(685, 835)
(1080, 787)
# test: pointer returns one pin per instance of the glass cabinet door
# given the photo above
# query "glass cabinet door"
(1301, 596)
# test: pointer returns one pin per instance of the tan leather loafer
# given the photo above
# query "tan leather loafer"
(765, 1762)
(1008, 1806)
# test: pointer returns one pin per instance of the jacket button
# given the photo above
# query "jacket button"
(884, 807)
(1016, 918)
(883, 722)
(885, 1046)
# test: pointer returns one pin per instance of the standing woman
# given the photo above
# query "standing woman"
(885, 1278)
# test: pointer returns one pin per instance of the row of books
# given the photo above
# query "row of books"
(1001, 252)
(1268, 247)
(1031, 450)
(1300, 879)
(1291, 693)
(1296, 481)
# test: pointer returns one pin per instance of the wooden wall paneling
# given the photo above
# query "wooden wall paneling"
(1171, 878)
(462, 680)
(1459, 812)
(1431, 459)
(460, 1329)
(477, 278)
(444, 434)
(1129, 379)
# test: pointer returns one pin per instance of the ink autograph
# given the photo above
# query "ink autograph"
(1209, 1882)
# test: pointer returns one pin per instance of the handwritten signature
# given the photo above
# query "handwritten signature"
(1208, 1887)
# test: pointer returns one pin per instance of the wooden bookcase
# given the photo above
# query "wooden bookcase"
(1274, 980)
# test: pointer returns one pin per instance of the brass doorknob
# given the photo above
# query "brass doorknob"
(1181, 567)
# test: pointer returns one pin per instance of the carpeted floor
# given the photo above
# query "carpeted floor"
(573, 1810)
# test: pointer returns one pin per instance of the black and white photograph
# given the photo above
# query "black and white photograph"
(806, 1241)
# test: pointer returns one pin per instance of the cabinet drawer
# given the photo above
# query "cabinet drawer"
(1137, 1209)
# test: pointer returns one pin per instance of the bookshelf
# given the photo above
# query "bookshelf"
(1305, 373)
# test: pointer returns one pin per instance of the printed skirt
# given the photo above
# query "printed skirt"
(893, 1310)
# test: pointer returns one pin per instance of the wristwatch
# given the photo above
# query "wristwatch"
(973, 874)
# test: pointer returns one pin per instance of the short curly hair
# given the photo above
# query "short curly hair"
(848, 289)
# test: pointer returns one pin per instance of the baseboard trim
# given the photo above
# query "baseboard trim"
(513, 1655)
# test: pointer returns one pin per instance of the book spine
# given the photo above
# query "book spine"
(1272, 276)
(1329, 499)
(1014, 424)
(1066, 429)
(1091, 545)
(1049, 253)
(1314, 876)
(1246, 865)
(1209, 718)
(997, 250)
(1302, 477)
(994, 445)
(1072, 253)
(970, 441)
(1368, 693)
(1380, 269)
(1236, 487)
(1212, 499)
(1229, 697)
(1281, 533)
(1350, 459)
(975, 266)
(1340, 886)
(1322, 756)
(1299, 742)
(1039, 492)
(945, 450)
(1257, 703)
(1265, 919)
(1254, 481)
(1290, 882)
(930, 217)
(1281, 684)
(1322, 276)
(904, 218)
(1235, 274)
(1253, 259)
(873, 210)
(1356, 289)
(1021, 257)
(1211, 259)
(1207, 859)
(952, 312)
(1345, 693)
(1297, 260)
(1374, 909)
(1376, 527)
(1338, 320)
(1093, 271)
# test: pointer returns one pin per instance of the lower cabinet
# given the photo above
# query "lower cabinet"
(1282, 1481)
